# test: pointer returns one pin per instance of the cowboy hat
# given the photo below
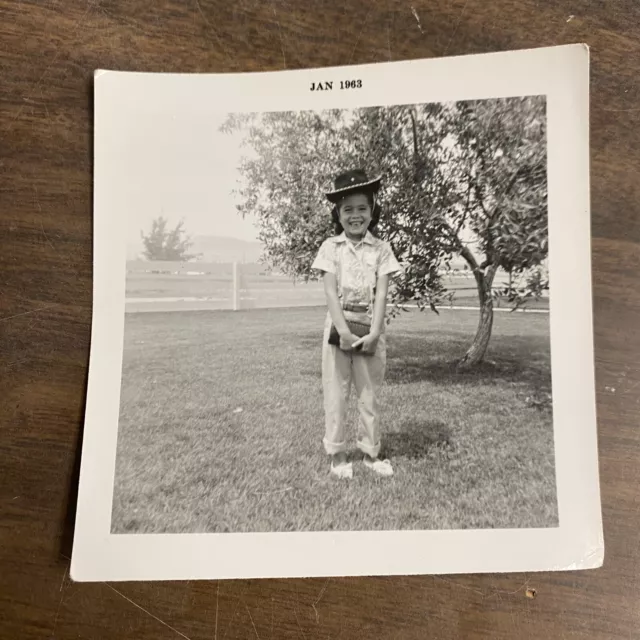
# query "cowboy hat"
(350, 181)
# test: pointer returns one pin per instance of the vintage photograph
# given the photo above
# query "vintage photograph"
(337, 320)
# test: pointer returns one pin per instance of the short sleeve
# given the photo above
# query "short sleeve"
(388, 263)
(325, 260)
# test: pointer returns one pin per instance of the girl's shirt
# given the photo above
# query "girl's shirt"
(357, 268)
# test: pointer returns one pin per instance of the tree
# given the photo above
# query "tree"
(466, 178)
(162, 243)
(503, 144)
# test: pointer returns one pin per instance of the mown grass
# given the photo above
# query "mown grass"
(221, 426)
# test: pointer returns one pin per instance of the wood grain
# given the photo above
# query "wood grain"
(48, 51)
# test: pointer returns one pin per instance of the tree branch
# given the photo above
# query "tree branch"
(465, 252)
(415, 135)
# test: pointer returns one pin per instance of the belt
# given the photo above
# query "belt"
(356, 308)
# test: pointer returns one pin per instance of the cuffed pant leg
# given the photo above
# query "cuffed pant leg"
(336, 382)
(368, 376)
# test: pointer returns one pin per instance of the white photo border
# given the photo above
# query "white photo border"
(559, 73)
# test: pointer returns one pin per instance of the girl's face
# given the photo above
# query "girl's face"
(355, 215)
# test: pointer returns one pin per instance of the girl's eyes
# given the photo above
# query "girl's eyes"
(350, 209)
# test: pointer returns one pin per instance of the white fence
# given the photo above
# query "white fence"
(175, 286)
(167, 286)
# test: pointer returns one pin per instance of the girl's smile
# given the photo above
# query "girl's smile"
(355, 215)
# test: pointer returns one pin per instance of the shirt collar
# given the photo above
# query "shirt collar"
(368, 238)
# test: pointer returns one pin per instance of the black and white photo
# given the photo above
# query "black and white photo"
(355, 316)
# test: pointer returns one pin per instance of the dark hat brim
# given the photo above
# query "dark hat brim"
(369, 185)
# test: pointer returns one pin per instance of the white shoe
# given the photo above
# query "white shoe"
(381, 467)
(344, 470)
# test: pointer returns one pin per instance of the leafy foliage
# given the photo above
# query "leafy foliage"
(522, 288)
(464, 178)
(504, 146)
(163, 243)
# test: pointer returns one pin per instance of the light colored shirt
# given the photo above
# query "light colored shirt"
(357, 267)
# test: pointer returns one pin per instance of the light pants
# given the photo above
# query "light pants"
(339, 369)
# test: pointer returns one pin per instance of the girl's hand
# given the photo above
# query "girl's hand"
(347, 341)
(368, 342)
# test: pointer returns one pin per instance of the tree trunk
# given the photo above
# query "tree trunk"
(484, 281)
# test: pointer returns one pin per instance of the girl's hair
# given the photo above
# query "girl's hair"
(376, 211)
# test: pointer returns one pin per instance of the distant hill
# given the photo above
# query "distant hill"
(224, 249)
(214, 249)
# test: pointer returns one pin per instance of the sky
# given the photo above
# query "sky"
(180, 165)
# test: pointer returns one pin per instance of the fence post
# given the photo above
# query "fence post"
(236, 287)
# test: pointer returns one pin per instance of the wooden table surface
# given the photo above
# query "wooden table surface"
(48, 51)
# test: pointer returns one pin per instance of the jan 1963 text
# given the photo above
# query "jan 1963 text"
(329, 85)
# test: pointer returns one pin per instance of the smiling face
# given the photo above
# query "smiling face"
(355, 215)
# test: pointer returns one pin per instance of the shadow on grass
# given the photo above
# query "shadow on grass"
(520, 360)
(416, 439)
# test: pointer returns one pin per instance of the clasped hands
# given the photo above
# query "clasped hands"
(351, 342)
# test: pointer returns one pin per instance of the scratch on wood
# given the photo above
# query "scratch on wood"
(217, 597)
(46, 236)
(355, 46)
(502, 592)
(40, 80)
(36, 197)
(317, 600)
(415, 15)
(275, 15)
(62, 584)
(36, 86)
(55, 621)
(295, 610)
(26, 313)
(461, 586)
(252, 622)
(524, 585)
(493, 593)
(455, 28)
(44, 104)
(208, 23)
(147, 612)
(64, 575)
(235, 609)
(619, 110)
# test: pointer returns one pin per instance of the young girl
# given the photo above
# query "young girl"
(356, 267)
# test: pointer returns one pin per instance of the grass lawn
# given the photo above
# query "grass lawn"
(221, 426)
